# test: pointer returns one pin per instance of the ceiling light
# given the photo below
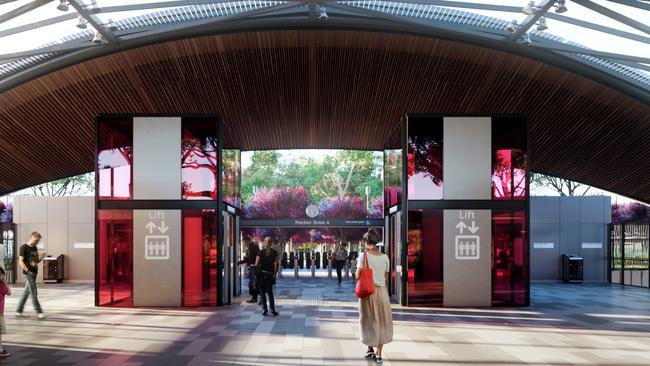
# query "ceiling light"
(82, 23)
(98, 38)
(111, 26)
(541, 24)
(322, 12)
(512, 27)
(530, 8)
(560, 7)
(525, 39)
(63, 5)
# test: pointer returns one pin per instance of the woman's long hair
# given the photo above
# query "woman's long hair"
(267, 245)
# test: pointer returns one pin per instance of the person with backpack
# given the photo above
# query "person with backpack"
(375, 315)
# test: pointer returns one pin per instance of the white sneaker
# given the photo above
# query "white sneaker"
(41, 316)
(19, 315)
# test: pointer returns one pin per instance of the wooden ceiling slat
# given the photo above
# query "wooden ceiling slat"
(325, 89)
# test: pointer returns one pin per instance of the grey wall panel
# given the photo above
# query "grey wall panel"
(591, 211)
(156, 257)
(545, 210)
(80, 263)
(570, 209)
(467, 279)
(607, 209)
(157, 158)
(81, 210)
(581, 220)
(544, 262)
(33, 209)
(57, 225)
(467, 155)
(595, 259)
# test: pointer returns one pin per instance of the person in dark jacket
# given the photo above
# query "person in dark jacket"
(267, 267)
(251, 256)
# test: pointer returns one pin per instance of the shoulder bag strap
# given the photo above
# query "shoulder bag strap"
(365, 260)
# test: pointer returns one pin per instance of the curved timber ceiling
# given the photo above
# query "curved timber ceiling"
(325, 89)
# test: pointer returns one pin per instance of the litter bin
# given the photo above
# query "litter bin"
(53, 269)
(572, 265)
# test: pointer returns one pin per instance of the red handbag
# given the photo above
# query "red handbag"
(365, 285)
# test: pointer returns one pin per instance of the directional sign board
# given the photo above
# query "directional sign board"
(467, 246)
(156, 244)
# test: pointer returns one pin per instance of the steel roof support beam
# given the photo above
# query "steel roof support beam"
(172, 29)
(93, 21)
(530, 20)
(633, 3)
(22, 10)
(63, 47)
(614, 15)
(544, 44)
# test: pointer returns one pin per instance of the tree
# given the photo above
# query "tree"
(80, 184)
(262, 173)
(277, 203)
(563, 187)
(6, 212)
(630, 212)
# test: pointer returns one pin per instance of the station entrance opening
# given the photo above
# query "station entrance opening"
(452, 212)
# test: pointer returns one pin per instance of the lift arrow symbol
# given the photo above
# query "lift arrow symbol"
(473, 228)
(461, 226)
(163, 229)
(150, 226)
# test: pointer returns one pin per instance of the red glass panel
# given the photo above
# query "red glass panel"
(199, 258)
(115, 247)
(510, 158)
(115, 159)
(199, 159)
(509, 253)
(425, 158)
(425, 286)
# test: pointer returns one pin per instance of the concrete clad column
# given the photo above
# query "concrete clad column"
(467, 175)
(156, 257)
(467, 257)
(467, 156)
(157, 158)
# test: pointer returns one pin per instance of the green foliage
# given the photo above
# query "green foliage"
(346, 173)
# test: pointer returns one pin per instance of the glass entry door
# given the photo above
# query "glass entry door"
(394, 250)
(236, 250)
(227, 258)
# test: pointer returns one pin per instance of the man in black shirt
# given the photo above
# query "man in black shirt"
(251, 255)
(28, 260)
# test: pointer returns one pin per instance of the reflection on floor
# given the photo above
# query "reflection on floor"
(568, 325)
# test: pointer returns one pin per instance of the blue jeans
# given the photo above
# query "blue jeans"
(30, 289)
(251, 281)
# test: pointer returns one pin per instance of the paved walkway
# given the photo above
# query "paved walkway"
(568, 325)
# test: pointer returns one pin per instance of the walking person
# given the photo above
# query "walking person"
(341, 256)
(267, 268)
(4, 290)
(252, 249)
(375, 315)
(28, 260)
(352, 259)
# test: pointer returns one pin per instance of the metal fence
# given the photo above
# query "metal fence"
(629, 250)
(8, 242)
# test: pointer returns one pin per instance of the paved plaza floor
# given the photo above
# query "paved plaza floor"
(575, 324)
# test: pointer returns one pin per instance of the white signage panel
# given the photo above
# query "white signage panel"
(543, 245)
(592, 245)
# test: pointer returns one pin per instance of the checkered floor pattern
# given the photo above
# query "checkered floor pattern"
(576, 324)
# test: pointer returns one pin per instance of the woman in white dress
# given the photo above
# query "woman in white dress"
(375, 315)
